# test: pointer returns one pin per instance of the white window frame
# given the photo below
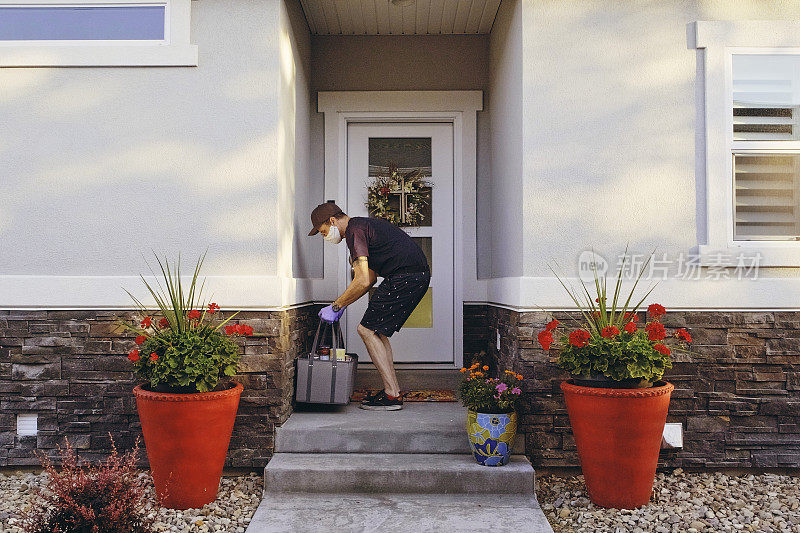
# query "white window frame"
(720, 40)
(174, 50)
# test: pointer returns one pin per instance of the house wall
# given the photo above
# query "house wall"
(613, 125)
(500, 237)
(100, 165)
(301, 187)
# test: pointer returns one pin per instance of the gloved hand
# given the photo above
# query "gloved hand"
(329, 315)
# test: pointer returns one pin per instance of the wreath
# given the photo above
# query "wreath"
(410, 189)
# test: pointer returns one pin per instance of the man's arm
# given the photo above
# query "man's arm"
(362, 282)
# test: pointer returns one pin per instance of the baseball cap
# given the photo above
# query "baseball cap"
(321, 214)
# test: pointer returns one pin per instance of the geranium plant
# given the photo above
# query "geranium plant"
(485, 394)
(181, 348)
(609, 341)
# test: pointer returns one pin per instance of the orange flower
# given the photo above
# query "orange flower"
(509, 372)
(479, 374)
(463, 370)
(485, 367)
(519, 376)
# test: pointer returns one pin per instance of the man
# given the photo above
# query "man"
(377, 248)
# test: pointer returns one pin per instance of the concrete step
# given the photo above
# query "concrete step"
(367, 377)
(395, 473)
(420, 427)
(399, 513)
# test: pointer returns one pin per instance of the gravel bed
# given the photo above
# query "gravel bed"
(236, 502)
(681, 501)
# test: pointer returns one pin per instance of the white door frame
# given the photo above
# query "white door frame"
(456, 107)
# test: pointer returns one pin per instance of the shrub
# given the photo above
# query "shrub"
(109, 497)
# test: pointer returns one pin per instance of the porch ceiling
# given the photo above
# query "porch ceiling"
(402, 17)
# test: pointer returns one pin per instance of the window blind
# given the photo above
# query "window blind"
(766, 196)
(766, 96)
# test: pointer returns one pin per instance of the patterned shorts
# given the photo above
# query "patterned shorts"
(394, 300)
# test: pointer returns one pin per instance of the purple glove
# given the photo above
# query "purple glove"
(329, 315)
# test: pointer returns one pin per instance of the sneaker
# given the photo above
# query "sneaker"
(382, 402)
(371, 396)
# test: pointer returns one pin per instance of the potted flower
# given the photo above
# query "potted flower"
(491, 413)
(616, 401)
(187, 402)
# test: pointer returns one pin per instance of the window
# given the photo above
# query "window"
(93, 33)
(751, 102)
(766, 164)
(70, 23)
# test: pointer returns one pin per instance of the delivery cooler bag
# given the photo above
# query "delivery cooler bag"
(321, 378)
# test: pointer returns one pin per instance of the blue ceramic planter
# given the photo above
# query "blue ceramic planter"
(491, 436)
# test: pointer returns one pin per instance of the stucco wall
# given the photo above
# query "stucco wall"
(101, 164)
(502, 235)
(301, 186)
(610, 112)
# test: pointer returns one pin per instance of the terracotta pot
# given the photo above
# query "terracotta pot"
(491, 436)
(187, 438)
(618, 434)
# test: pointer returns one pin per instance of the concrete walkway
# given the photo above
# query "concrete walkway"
(349, 470)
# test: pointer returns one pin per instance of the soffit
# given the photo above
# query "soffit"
(383, 17)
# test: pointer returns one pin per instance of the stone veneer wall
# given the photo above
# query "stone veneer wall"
(738, 400)
(71, 368)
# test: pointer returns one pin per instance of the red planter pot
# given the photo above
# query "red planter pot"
(618, 434)
(187, 438)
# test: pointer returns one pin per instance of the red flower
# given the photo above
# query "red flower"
(140, 339)
(163, 323)
(133, 355)
(546, 339)
(579, 338)
(244, 329)
(655, 331)
(632, 317)
(146, 322)
(660, 348)
(553, 324)
(656, 310)
(194, 314)
(154, 356)
(384, 190)
(230, 329)
(596, 314)
(630, 327)
(609, 332)
(212, 308)
(683, 335)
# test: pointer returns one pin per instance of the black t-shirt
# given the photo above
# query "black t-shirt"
(388, 248)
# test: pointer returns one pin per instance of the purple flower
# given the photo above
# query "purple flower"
(501, 387)
(516, 390)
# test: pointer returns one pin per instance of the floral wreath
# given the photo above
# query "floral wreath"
(414, 194)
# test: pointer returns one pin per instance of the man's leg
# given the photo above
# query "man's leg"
(381, 354)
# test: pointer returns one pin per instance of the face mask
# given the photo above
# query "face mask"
(333, 235)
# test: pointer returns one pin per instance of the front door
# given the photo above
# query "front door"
(403, 172)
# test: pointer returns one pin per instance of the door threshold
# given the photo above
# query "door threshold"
(413, 366)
